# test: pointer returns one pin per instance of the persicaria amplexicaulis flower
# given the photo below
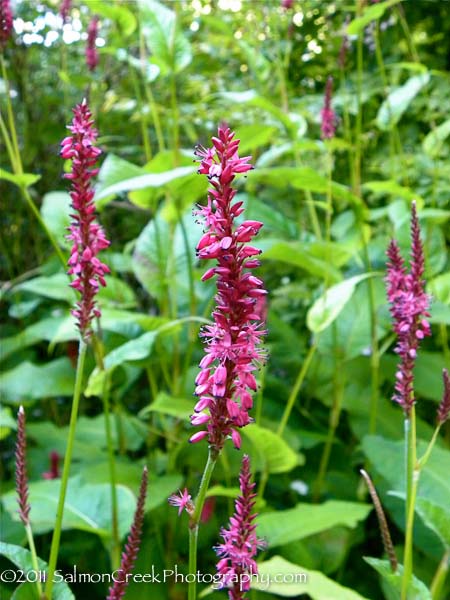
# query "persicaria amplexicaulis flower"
(409, 307)
(6, 22)
(328, 124)
(21, 469)
(53, 473)
(444, 407)
(64, 9)
(129, 555)
(87, 236)
(91, 48)
(240, 542)
(183, 501)
(232, 342)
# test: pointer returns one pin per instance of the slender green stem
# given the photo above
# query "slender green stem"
(175, 118)
(295, 390)
(439, 577)
(412, 481)
(34, 560)
(150, 98)
(358, 124)
(195, 520)
(66, 469)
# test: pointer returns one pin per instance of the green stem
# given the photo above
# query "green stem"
(34, 560)
(358, 124)
(412, 480)
(439, 577)
(175, 119)
(149, 96)
(295, 390)
(66, 469)
(195, 520)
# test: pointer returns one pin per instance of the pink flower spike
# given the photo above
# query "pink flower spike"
(328, 125)
(21, 469)
(64, 9)
(91, 48)
(183, 501)
(444, 407)
(6, 22)
(87, 236)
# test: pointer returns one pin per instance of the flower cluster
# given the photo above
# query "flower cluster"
(409, 307)
(183, 501)
(64, 9)
(129, 555)
(232, 342)
(240, 542)
(21, 469)
(91, 48)
(328, 124)
(6, 22)
(87, 236)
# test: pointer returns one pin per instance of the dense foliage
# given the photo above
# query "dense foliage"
(160, 79)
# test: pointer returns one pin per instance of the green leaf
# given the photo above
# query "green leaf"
(436, 517)
(329, 306)
(87, 507)
(21, 557)
(168, 405)
(282, 527)
(371, 13)
(388, 458)
(397, 102)
(274, 453)
(298, 255)
(28, 382)
(299, 581)
(169, 48)
(254, 136)
(434, 141)
(24, 180)
(121, 15)
(418, 590)
(55, 287)
(392, 188)
(7, 422)
(440, 287)
(55, 210)
(113, 171)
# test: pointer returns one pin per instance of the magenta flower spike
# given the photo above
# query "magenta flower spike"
(444, 407)
(87, 236)
(328, 124)
(64, 10)
(129, 555)
(21, 469)
(232, 343)
(53, 472)
(240, 543)
(6, 22)
(409, 307)
(91, 48)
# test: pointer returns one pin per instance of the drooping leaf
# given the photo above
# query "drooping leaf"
(371, 13)
(418, 590)
(283, 578)
(284, 526)
(24, 180)
(397, 102)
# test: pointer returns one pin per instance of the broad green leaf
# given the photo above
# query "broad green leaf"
(298, 255)
(329, 306)
(120, 14)
(28, 382)
(392, 188)
(434, 141)
(113, 171)
(220, 490)
(21, 557)
(436, 517)
(55, 287)
(7, 422)
(284, 526)
(298, 581)
(418, 591)
(87, 507)
(371, 13)
(55, 211)
(274, 453)
(254, 136)
(397, 102)
(149, 180)
(168, 405)
(137, 349)
(24, 180)
(440, 287)
(387, 457)
(169, 47)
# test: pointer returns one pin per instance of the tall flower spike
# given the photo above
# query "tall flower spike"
(64, 9)
(130, 553)
(240, 542)
(409, 307)
(91, 48)
(21, 469)
(233, 342)
(87, 236)
(6, 22)
(444, 407)
(328, 125)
